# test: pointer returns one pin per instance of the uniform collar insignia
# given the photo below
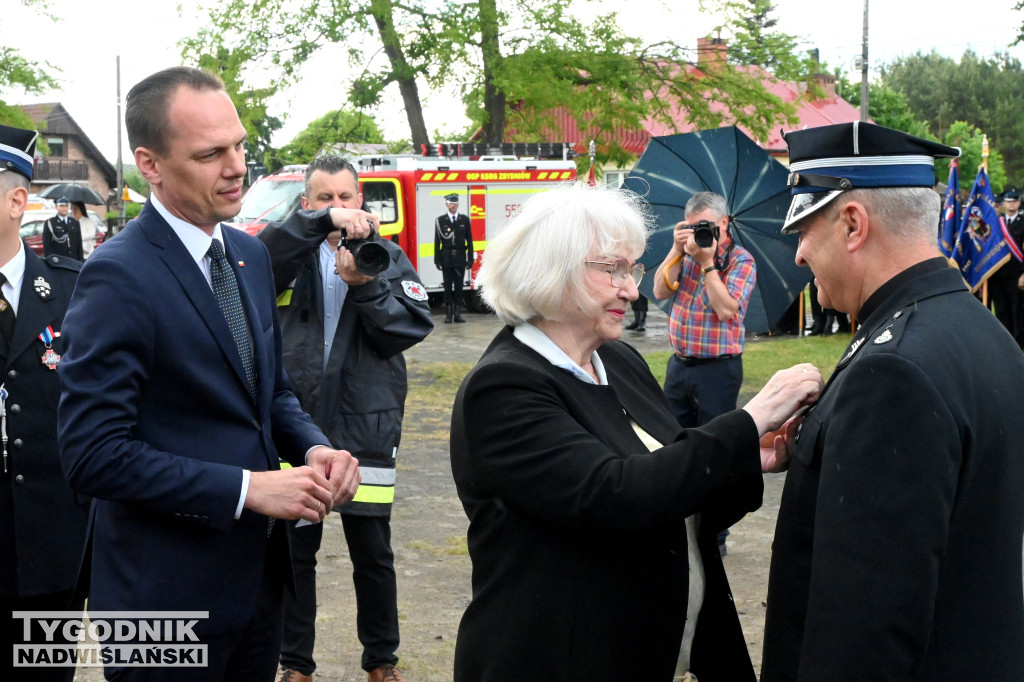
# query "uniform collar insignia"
(42, 287)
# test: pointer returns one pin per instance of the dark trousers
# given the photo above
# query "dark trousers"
(249, 655)
(699, 391)
(453, 278)
(1006, 300)
(12, 632)
(373, 575)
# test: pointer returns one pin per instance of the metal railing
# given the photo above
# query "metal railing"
(60, 169)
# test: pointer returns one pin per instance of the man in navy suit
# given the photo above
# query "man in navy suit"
(176, 407)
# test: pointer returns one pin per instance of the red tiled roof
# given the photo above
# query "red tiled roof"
(810, 113)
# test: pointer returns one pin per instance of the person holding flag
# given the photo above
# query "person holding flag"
(983, 244)
(950, 227)
(1003, 288)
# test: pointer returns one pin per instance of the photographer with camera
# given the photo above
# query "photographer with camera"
(350, 303)
(709, 278)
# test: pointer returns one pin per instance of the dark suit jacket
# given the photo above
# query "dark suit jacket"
(156, 422)
(577, 532)
(453, 244)
(42, 523)
(897, 553)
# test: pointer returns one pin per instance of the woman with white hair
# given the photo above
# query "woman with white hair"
(592, 517)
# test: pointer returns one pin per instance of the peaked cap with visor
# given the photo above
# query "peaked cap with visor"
(824, 162)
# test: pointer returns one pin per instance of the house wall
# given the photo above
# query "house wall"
(96, 180)
(75, 152)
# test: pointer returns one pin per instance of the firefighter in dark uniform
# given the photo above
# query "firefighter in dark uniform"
(453, 254)
(42, 523)
(1002, 285)
(344, 334)
(1015, 226)
(62, 234)
(897, 551)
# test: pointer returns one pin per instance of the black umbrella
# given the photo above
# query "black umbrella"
(675, 167)
(73, 193)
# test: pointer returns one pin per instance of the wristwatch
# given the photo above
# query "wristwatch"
(710, 268)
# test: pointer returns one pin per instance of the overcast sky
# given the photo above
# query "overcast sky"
(85, 41)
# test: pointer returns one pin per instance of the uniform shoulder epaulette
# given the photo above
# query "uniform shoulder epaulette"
(63, 262)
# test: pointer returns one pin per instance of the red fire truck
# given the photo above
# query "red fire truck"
(407, 195)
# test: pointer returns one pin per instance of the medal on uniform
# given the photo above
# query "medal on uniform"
(3, 305)
(50, 357)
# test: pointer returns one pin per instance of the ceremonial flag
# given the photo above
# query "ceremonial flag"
(951, 211)
(983, 243)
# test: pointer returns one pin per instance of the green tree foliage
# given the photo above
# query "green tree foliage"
(279, 37)
(886, 107)
(334, 127)
(987, 92)
(515, 60)
(755, 40)
(970, 138)
(133, 178)
(251, 103)
(20, 74)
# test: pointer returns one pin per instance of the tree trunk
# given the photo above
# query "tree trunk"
(494, 99)
(402, 73)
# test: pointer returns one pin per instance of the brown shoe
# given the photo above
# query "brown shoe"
(386, 673)
(288, 675)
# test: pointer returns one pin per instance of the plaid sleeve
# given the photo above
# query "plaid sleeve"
(740, 278)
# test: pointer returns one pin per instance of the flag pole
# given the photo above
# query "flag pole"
(984, 164)
(591, 177)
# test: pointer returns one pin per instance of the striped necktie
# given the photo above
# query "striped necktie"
(225, 289)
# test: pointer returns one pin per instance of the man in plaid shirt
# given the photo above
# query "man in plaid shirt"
(710, 289)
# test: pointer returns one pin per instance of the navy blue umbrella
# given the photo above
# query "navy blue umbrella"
(73, 193)
(675, 167)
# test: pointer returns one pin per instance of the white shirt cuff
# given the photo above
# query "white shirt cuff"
(306, 458)
(245, 490)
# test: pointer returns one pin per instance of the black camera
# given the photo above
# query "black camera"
(705, 233)
(370, 256)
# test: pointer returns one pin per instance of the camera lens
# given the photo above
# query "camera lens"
(370, 258)
(704, 236)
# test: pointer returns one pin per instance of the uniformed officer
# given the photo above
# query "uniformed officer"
(1003, 285)
(62, 234)
(453, 254)
(42, 524)
(897, 551)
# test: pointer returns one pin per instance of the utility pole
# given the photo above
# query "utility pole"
(121, 171)
(864, 68)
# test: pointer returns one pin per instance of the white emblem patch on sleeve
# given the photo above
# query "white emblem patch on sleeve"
(414, 290)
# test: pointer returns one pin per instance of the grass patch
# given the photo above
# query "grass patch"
(433, 385)
(456, 546)
(764, 358)
(438, 382)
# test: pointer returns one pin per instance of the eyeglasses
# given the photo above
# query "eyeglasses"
(620, 270)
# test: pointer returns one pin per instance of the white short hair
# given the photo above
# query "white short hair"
(535, 266)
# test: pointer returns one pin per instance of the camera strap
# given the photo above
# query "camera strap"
(723, 263)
